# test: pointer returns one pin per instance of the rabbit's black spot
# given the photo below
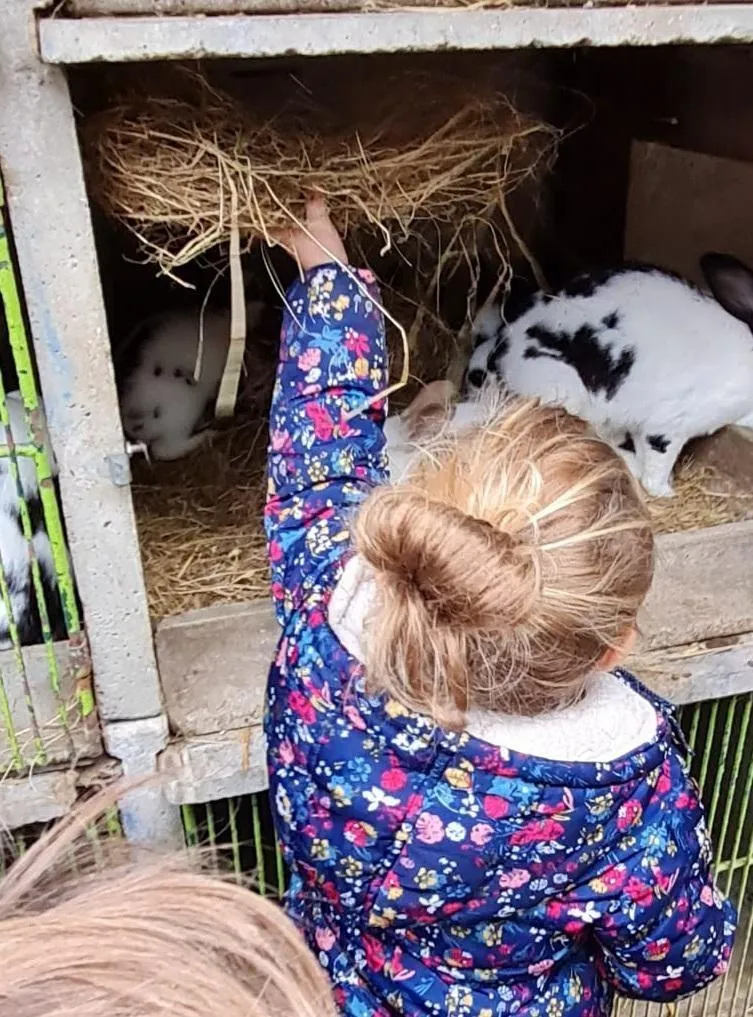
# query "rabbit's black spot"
(157, 370)
(580, 286)
(476, 377)
(658, 442)
(545, 298)
(191, 381)
(177, 373)
(628, 445)
(598, 368)
(36, 514)
(157, 413)
(137, 428)
(586, 284)
(611, 320)
(519, 306)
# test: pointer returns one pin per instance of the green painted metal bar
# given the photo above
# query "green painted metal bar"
(261, 876)
(721, 762)
(27, 385)
(736, 765)
(235, 843)
(280, 866)
(190, 826)
(708, 746)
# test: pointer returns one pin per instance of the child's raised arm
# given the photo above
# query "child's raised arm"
(332, 359)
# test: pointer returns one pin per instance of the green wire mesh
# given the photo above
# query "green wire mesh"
(27, 731)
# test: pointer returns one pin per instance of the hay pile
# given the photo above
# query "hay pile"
(174, 158)
(200, 520)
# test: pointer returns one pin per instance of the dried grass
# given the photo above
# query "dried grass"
(200, 520)
(169, 160)
(703, 498)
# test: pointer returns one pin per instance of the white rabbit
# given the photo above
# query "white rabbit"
(425, 417)
(643, 355)
(14, 549)
(162, 403)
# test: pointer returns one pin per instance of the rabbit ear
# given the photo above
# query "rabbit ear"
(731, 283)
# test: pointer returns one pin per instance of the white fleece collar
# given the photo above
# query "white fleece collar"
(610, 721)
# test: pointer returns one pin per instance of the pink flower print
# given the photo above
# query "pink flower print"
(664, 783)
(496, 807)
(657, 950)
(481, 833)
(514, 879)
(359, 833)
(639, 892)
(357, 343)
(707, 896)
(324, 425)
(721, 968)
(355, 718)
(325, 938)
(309, 358)
(540, 967)
(537, 830)
(629, 814)
(301, 706)
(279, 440)
(275, 552)
(429, 828)
(459, 958)
(645, 980)
(615, 877)
(374, 953)
(394, 779)
(287, 753)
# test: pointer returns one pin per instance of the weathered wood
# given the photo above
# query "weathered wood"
(664, 183)
(78, 741)
(703, 587)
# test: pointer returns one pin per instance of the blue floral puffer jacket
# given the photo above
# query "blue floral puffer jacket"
(433, 873)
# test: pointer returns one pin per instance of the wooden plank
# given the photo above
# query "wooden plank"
(703, 587)
(664, 183)
(42, 712)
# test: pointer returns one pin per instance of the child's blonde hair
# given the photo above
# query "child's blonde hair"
(148, 938)
(511, 559)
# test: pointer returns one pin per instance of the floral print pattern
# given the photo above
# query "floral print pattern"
(433, 873)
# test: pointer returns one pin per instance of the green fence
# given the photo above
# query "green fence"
(45, 689)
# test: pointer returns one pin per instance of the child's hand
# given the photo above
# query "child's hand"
(319, 243)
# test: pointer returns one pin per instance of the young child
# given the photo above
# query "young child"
(144, 939)
(478, 817)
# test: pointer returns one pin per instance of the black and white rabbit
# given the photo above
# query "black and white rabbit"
(646, 357)
(14, 549)
(162, 403)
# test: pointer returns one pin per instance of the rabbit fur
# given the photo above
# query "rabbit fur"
(646, 357)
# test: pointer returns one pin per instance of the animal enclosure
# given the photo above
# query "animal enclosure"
(626, 152)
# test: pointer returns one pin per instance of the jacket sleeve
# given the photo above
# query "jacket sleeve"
(664, 930)
(320, 467)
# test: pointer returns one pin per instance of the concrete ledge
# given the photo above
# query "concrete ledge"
(42, 797)
(217, 766)
(112, 39)
(213, 664)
